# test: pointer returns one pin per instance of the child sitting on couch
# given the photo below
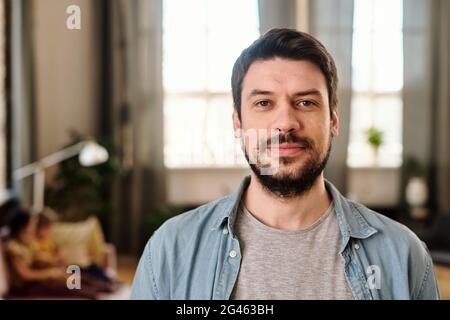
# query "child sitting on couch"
(34, 276)
(47, 253)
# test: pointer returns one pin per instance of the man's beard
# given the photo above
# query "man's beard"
(293, 184)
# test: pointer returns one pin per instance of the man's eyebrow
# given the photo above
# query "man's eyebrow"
(259, 92)
(310, 92)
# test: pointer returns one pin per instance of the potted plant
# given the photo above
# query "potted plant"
(375, 139)
(79, 192)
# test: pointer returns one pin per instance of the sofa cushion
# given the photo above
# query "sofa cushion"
(80, 243)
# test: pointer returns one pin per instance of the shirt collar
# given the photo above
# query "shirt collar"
(350, 220)
(232, 202)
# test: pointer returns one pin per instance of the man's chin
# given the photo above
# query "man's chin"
(287, 183)
(291, 164)
(285, 170)
(286, 174)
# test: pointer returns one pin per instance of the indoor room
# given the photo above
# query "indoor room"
(117, 115)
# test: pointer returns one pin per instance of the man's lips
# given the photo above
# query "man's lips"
(286, 149)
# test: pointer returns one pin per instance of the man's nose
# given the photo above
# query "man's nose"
(286, 119)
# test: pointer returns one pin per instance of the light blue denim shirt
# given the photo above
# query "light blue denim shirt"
(196, 255)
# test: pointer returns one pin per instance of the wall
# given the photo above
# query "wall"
(374, 187)
(67, 72)
(198, 186)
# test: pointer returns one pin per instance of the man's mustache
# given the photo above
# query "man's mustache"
(303, 142)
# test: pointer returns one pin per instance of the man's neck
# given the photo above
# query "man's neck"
(287, 213)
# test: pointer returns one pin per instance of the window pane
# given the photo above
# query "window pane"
(388, 118)
(362, 114)
(202, 39)
(361, 61)
(385, 114)
(226, 40)
(184, 124)
(377, 80)
(200, 132)
(388, 62)
(388, 14)
(377, 60)
(363, 15)
(184, 38)
(378, 15)
(222, 147)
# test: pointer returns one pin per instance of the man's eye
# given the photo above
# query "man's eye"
(306, 103)
(263, 103)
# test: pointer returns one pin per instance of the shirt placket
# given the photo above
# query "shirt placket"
(354, 273)
(231, 262)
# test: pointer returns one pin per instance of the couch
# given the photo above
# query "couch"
(81, 243)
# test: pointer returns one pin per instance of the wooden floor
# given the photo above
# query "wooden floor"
(443, 278)
(127, 267)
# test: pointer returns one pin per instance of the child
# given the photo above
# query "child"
(29, 277)
(47, 253)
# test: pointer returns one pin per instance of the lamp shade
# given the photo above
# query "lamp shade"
(92, 154)
(416, 192)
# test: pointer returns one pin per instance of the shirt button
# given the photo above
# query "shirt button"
(225, 231)
(233, 253)
(356, 246)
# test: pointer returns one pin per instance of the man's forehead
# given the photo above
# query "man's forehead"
(275, 74)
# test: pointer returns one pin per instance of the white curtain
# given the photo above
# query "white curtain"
(137, 108)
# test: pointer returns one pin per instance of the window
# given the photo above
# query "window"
(377, 71)
(201, 41)
(3, 98)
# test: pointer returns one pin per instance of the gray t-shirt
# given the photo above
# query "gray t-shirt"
(283, 264)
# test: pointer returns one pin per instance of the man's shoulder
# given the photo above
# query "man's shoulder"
(194, 220)
(390, 231)
(401, 250)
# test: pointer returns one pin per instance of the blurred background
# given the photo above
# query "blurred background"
(147, 83)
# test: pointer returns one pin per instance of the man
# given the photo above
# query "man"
(286, 233)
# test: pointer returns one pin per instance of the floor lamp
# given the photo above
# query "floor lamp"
(89, 152)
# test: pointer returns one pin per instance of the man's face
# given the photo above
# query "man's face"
(287, 99)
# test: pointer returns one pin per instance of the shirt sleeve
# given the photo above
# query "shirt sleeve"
(144, 285)
(429, 289)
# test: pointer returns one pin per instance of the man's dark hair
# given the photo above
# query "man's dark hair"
(287, 44)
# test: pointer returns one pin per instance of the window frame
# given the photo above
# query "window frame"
(373, 95)
(206, 94)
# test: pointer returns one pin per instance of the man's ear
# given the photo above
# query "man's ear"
(334, 123)
(236, 122)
